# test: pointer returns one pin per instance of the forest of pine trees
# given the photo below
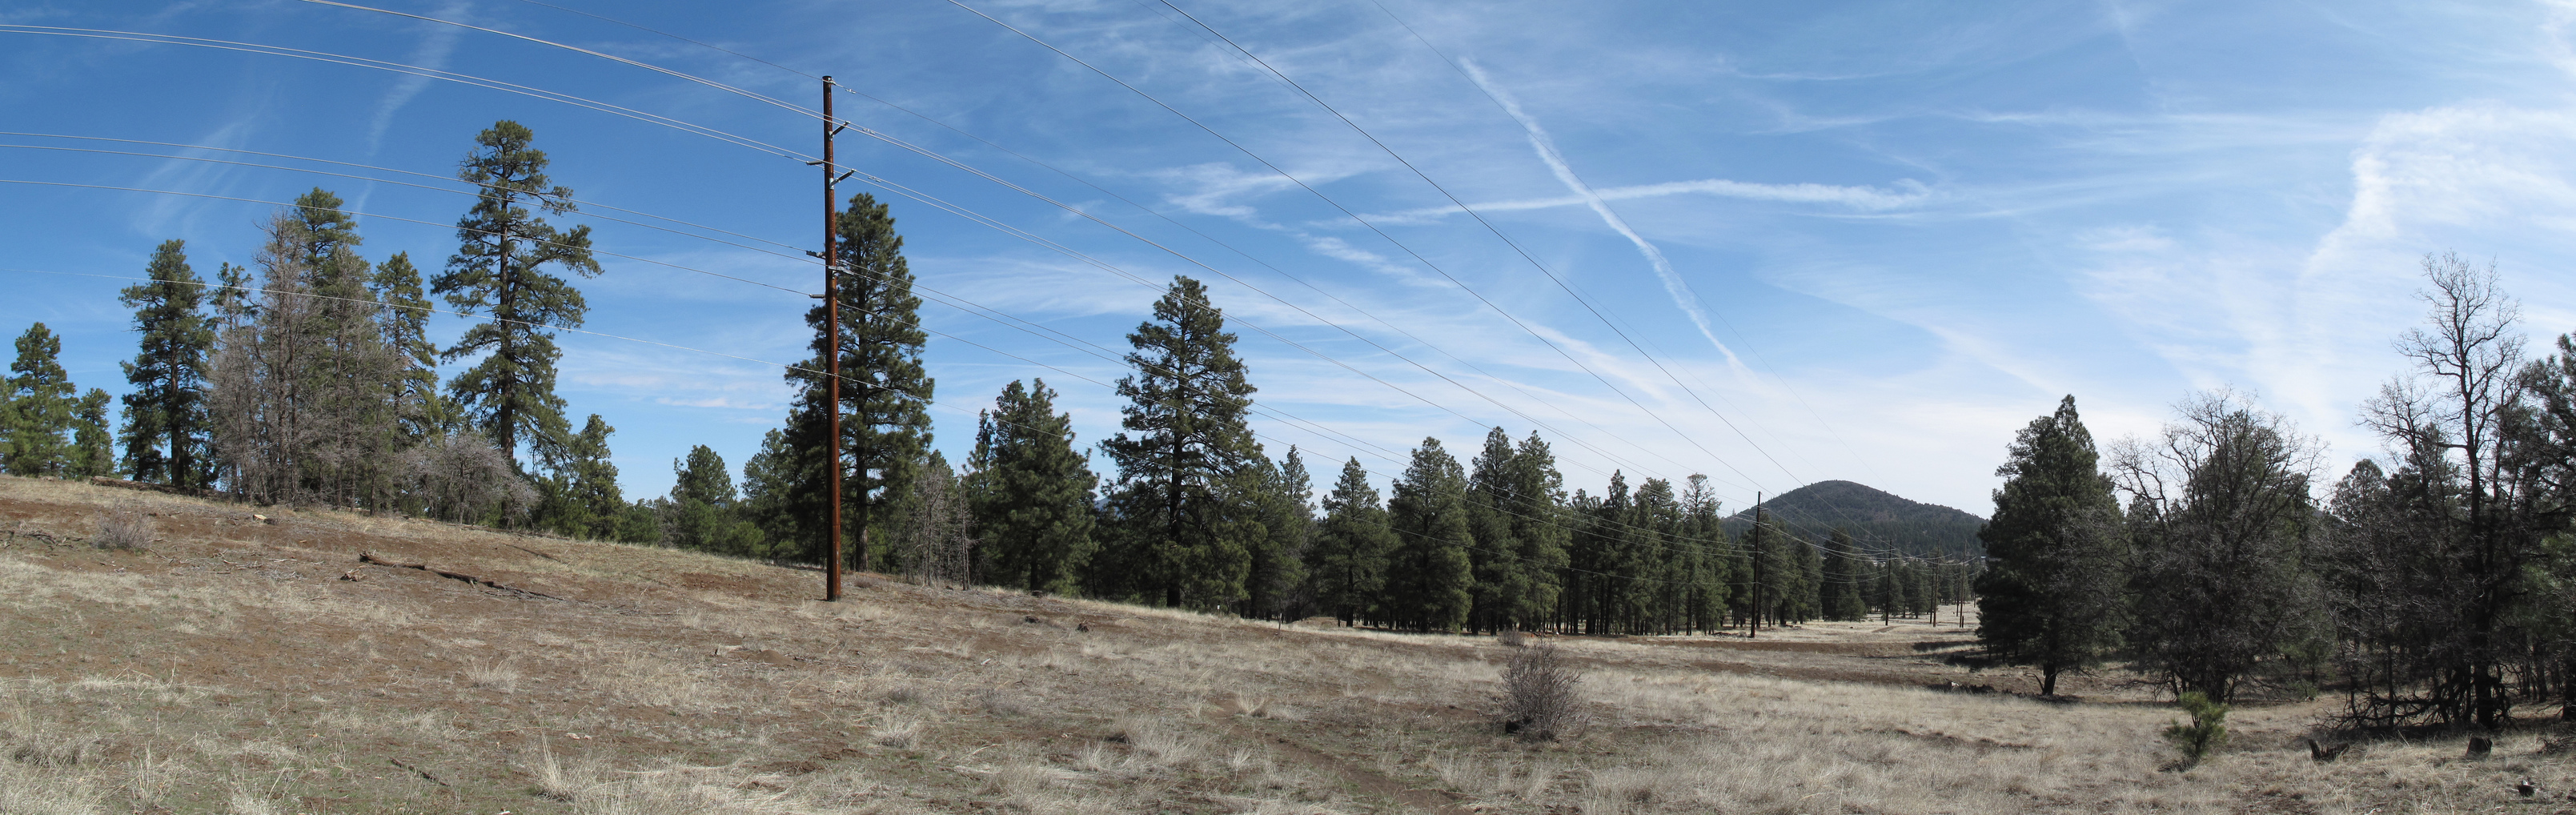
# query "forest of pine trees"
(2435, 587)
(309, 378)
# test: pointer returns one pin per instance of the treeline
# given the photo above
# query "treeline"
(1198, 515)
(2435, 586)
(309, 378)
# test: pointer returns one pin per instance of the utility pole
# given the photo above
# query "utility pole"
(1754, 632)
(832, 345)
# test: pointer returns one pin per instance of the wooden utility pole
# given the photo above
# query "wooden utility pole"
(832, 343)
(1754, 632)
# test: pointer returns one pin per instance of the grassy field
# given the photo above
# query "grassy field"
(258, 666)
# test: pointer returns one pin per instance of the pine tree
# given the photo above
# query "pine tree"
(885, 394)
(42, 411)
(580, 497)
(1646, 567)
(1530, 494)
(772, 486)
(165, 416)
(1843, 576)
(1502, 578)
(1347, 563)
(1276, 577)
(1189, 523)
(93, 445)
(1430, 581)
(1704, 533)
(2052, 596)
(405, 317)
(499, 267)
(234, 302)
(702, 512)
(1030, 492)
(296, 395)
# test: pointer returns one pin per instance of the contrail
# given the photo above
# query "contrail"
(1680, 291)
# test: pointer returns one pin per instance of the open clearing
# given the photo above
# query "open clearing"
(230, 667)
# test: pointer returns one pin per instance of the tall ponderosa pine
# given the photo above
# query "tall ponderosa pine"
(1031, 492)
(40, 410)
(165, 416)
(1188, 522)
(1430, 580)
(885, 394)
(2051, 596)
(1502, 577)
(500, 268)
(405, 317)
(1348, 561)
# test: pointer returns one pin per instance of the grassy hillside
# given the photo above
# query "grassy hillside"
(250, 666)
(1877, 518)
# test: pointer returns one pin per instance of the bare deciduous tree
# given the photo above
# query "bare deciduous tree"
(936, 542)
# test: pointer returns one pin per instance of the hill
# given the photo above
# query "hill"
(301, 663)
(1875, 517)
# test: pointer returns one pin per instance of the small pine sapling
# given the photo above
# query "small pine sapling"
(2207, 731)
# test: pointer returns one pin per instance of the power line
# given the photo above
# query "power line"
(666, 121)
(395, 218)
(880, 182)
(1569, 357)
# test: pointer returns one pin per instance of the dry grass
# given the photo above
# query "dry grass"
(125, 527)
(228, 669)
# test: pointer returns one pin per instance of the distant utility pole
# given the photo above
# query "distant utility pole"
(832, 344)
(1754, 632)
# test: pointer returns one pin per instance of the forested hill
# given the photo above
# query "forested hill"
(1874, 518)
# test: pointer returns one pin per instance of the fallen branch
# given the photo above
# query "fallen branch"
(421, 772)
(370, 557)
(537, 553)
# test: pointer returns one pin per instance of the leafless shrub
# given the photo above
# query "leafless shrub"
(935, 544)
(462, 477)
(126, 527)
(1542, 695)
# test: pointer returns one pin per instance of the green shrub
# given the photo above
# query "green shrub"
(2207, 731)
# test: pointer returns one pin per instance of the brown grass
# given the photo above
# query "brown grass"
(229, 669)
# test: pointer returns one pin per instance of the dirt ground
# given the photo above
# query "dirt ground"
(326, 662)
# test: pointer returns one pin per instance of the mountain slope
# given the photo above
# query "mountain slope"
(1875, 518)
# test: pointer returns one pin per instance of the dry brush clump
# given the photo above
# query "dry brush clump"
(1542, 695)
(126, 528)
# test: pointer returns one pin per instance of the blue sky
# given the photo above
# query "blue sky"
(1860, 241)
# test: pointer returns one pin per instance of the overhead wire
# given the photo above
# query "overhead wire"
(935, 157)
(1480, 219)
(538, 93)
(1551, 344)
(1274, 72)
